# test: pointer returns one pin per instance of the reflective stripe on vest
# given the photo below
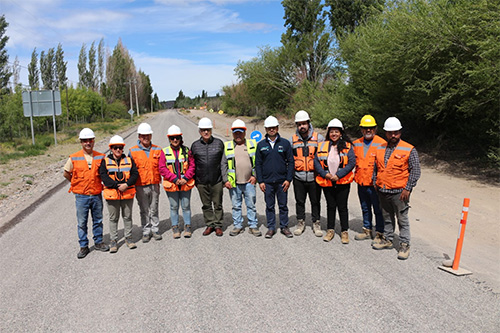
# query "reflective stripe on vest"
(304, 162)
(183, 162)
(147, 166)
(229, 152)
(395, 174)
(323, 152)
(84, 180)
(113, 168)
(365, 162)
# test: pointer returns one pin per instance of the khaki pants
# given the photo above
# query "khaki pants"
(114, 207)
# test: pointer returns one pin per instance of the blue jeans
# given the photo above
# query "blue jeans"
(368, 198)
(275, 191)
(248, 191)
(84, 204)
(185, 199)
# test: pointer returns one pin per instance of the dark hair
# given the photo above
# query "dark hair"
(341, 144)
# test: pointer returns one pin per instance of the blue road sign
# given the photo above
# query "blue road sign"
(256, 135)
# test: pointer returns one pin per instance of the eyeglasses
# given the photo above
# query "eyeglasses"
(86, 140)
(177, 137)
(117, 147)
(205, 129)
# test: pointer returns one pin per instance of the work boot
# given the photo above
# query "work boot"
(131, 245)
(384, 244)
(255, 231)
(235, 231)
(404, 251)
(365, 234)
(317, 229)
(187, 231)
(83, 252)
(157, 236)
(113, 247)
(378, 238)
(101, 247)
(146, 238)
(330, 233)
(301, 225)
(176, 232)
(344, 237)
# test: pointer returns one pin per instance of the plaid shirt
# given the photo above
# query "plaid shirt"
(413, 168)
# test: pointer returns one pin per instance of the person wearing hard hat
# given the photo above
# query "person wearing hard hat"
(396, 172)
(305, 144)
(119, 175)
(209, 167)
(274, 168)
(365, 149)
(177, 168)
(82, 170)
(334, 163)
(239, 156)
(146, 156)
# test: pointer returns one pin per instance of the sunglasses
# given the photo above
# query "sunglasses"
(205, 129)
(177, 137)
(86, 140)
(117, 147)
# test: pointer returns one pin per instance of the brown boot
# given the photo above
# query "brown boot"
(344, 237)
(301, 225)
(330, 233)
(365, 234)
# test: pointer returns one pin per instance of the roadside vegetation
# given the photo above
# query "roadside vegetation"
(435, 64)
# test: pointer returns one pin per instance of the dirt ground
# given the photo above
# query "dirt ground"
(436, 201)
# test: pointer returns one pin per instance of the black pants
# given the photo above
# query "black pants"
(336, 199)
(301, 190)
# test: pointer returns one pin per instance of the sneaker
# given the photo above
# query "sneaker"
(344, 237)
(384, 244)
(317, 229)
(255, 231)
(286, 232)
(146, 238)
(157, 236)
(187, 231)
(176, 232)
(330, 233)
(366, 234)
(378, 238)
(301, 226)
(83, 252)
(131, 245)
(113, 247)
(270, 233)
(101, 247)
(235, 231)
(404, 251)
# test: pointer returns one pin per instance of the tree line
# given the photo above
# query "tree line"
(432, 63)
(108, 86)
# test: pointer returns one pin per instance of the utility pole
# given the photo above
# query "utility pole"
(129, 82)
(136, 98)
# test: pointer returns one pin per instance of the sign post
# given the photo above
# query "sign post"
(131, 113)
(42, 103)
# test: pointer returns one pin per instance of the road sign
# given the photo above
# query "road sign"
(41, 103)
(256, 135)
(131, 112)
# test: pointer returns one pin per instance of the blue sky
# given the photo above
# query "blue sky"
(191, 45)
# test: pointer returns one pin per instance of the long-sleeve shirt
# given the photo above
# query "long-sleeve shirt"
(111, 183)
(172, 177)
(274, 163)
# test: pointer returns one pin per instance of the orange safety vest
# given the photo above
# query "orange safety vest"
(170, 162)
(147, 166)
(364, 163)
(113, 169)
(324, 149)
(395, 174)
(84, 180)
(304, 162)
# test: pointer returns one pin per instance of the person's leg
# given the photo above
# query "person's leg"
(236, 199)
(173, 199)
(185, 199)
(154, 196)
(82, 203)
(401, 209)
(300, 192)
(341, 197)
(217, 192)
(126, 206)
(379, 218)
(114, 215)
(205, 196)
(331, 207)
(388, 214)
(96, 210)
(141, 194)
(314, 191)
(270, 199)
(282, 197)
(365, 202)
(250, 199)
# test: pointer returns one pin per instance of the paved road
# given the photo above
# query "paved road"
(225, 284)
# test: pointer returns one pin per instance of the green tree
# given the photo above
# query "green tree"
(33, 71)
(346, 15)
(47, 68)
(82, 67)
(120, 71)
(5, 73)
(92, 79)
(100, 63)
(61, 66)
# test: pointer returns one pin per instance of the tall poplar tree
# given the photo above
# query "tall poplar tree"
(33, 71)
(100, 63)
(61, 67)
(82, 67)
(5, 72)
(92, 71)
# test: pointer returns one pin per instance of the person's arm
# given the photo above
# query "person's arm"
(223, 168)
(318, 168)
(106, 179)
(413, 177)
(189, 174)
(164, 171)
(290, 164)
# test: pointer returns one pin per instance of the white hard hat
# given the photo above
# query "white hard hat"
(144, 128)
(238, 124)
(205, 123)
(335, 123)
(87, 133)
(271, 122)
(116, 140)
(174, 130)
(302, 116)
(392, 124)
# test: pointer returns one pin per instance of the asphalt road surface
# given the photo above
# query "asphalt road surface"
(226, 284)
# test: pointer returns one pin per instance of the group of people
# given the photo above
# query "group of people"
(385, 171)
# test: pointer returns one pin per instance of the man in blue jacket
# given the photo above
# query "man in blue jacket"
(274, 165)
